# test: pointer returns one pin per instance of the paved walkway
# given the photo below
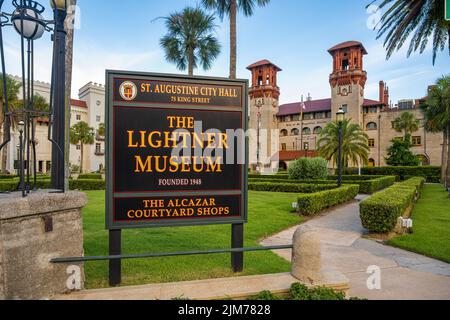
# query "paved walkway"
(404, 275)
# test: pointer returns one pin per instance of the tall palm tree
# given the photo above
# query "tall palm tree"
(420, 20)
(190, 39)
(230, 8)
(406, 123)
(12, 94)
(81, 134)
(437, 117)
(355, 146)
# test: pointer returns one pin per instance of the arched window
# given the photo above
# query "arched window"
(306, 131)
(295, 132)
(371, 163)
(284, 133)
(372, 126)
(317, 130)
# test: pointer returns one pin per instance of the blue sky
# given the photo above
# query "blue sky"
(294, 34)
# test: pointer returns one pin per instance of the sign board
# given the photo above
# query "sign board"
(176, 150)
(447, 10)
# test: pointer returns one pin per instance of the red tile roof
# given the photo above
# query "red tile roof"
(321, 105)
(78, 103)
(263, 63)
(347, 44)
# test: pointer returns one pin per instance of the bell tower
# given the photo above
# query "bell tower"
(264, 94)
(348, 80)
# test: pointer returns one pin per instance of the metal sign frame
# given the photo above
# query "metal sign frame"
(111, 195)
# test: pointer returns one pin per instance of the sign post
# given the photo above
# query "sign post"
(176, 155)
(447, 10)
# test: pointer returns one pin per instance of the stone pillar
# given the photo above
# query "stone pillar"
(33, 231)
(306, 256)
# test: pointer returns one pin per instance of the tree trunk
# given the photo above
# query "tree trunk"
(5, 148)
(68, 87)
(191, 64)
(233, 45)
(444, 158)
(448, 157)
(81, 158)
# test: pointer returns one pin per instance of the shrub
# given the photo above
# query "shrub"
(264, 296)
(90, 176)
(402, 172)
(299, 291)
(308, 168)
(92, 184)
(380, 212)
(288, 187)
(269, 177)
(7, 176)
(9, 185)
(309, 204)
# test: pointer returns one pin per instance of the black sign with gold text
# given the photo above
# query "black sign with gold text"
(176, 150)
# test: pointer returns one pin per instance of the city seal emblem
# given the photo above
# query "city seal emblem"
(128, 91)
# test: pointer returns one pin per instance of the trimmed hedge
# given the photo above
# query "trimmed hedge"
(92, 184)
(90, 176)
(380, 212)
(7, 176)
(366, 186)
(269, 177)
(310, 204)
(402, 172)
(288, 187)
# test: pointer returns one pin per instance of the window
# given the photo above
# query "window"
(319, 115)
(283, 147)
(308, 116)
(78, 117)
(345, 108)
(345, 65)
(295, 117)
(317, 130)
(306, 131)
(372, 126)
(373, 109)
(295, 132)
(284, 133)
(417, 141)
(98, 148)
(371, 163)
(78, 147)
(329, 115)
(98, 119)
(372, 143)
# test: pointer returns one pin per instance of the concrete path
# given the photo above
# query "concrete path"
(404, 275)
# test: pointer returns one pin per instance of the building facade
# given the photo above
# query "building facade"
(90, 108)
(299, 124)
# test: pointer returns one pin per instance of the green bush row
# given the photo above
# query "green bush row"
(90, 176)
(380, 212)
(93, 184)
(269, 177)
(301, 292)
(288, 187)
(401, 172)
(310, 204)
(7, 176)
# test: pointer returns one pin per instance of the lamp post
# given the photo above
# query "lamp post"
(306, 149)
(28, 21)
(340, 116)
(259, 105)
(21, 161)
(59, 78)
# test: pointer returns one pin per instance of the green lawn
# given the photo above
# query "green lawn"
(431, 218)
(269, 213)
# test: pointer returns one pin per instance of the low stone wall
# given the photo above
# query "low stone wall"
(34, 230)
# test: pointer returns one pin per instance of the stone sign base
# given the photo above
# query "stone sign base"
(34, 230)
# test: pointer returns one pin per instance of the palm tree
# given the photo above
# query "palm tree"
(190, 41)
(230, 8)
(12, 94)
(81, 134)
(437, 117)
(406, 123)
(355, 146)
(420, 20)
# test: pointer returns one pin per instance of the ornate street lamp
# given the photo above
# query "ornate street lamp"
(340, 117)
(27, 20)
